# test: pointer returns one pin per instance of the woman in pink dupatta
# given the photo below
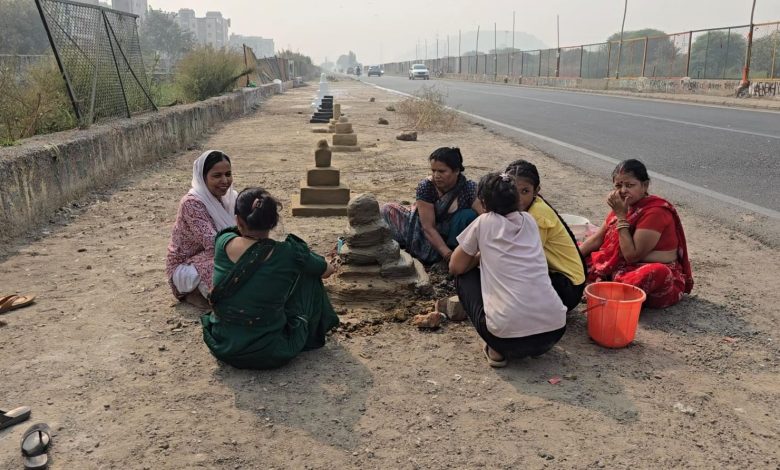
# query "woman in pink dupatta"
(206, 209)
(642, 241)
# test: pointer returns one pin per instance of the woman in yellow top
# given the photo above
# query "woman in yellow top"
(564, 262)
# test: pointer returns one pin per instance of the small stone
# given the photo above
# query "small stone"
(164, 445)
(371, 100)
(162, 348)
(390, 108)
(106, 406)
(409, 136)
(89, 266)
(81, 250)
(382, 121)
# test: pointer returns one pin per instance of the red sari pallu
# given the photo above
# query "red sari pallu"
(664, 284)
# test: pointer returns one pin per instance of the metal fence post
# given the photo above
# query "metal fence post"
(68, 84)
(775, 36)
(706, 53)
(609, 58)
(116, 64)
(644, 59)
(726, 59)
(688, 62)
(540, 64)
(582, 52)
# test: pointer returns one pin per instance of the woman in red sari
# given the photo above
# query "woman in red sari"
(641, 242)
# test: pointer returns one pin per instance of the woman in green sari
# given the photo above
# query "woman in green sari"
(268, 300)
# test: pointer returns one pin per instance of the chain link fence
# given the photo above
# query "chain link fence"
(705, 54)
(98, 52)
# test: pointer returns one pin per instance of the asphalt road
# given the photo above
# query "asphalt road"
(724, 161)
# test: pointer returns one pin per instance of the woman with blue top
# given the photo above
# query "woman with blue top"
(446, 203)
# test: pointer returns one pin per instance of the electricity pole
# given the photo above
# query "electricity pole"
(746, 70)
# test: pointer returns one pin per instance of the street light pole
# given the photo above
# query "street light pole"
(620, 49)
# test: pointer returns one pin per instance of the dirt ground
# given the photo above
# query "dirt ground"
(119, 369)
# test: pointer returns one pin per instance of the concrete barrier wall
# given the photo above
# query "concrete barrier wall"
(49, 171)
(759, 88)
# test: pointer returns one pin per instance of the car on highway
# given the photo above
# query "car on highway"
(375, 70)
(419, 71)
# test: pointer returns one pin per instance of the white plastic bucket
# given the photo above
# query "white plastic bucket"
(578, 225)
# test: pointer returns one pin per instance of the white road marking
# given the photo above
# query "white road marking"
(668, 179)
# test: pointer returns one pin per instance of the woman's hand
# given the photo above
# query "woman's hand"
(329, 270)
(617, 204)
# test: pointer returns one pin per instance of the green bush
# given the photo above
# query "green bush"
(207, 72)
(33, 101)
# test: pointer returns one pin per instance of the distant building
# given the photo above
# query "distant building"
(136, 7)
(261, 46)
(210, 30)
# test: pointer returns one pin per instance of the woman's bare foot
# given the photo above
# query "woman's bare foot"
(195, 299)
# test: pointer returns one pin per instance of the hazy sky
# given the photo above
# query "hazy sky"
(388, 30)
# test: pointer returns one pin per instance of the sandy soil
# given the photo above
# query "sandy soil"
(118, 367)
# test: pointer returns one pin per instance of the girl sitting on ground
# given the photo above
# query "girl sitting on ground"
(564, 262)
(502, 278)
(641, 242)
(268, 300)
(206, 209)
(446, 203)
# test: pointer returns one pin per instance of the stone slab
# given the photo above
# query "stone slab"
(345, 148)
(344, 139)
(400, 268)
(371, 234)
(324, 194)
(327, 176)
(317, 210)
(318, 121)
(362, 285)
(344, 127)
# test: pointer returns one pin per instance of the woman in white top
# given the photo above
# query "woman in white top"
(502, 277)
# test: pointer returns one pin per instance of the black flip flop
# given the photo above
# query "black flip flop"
(17, 415)
(35, 442)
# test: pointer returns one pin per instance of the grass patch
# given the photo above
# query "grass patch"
(34, 101)
(207, 72)
(426, 111)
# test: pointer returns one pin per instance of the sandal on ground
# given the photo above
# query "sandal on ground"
(35, 443)
(15, 416)
(11, 302)
(492, 362)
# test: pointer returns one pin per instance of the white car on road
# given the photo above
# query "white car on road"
(419, 71)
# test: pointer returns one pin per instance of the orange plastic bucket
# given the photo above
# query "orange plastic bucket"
(613, 312)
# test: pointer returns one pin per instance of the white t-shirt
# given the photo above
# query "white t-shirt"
(516, 290)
